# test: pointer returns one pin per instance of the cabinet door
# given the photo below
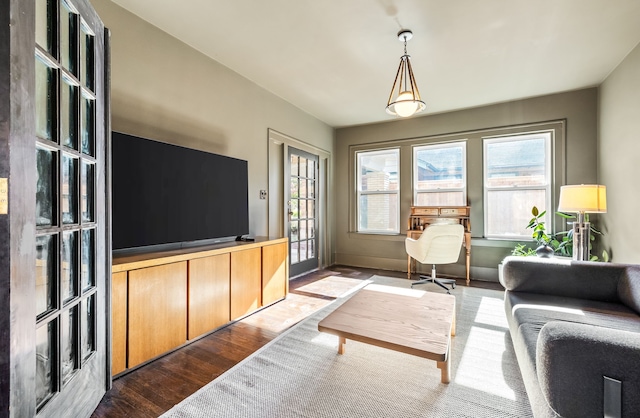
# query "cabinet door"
(118, 322)
(275, 279)
(157, 311)
(209, 298)
(246, 281)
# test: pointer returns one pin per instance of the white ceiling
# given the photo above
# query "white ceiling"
(336, 59)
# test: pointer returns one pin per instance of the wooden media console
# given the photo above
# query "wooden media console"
(163, 300)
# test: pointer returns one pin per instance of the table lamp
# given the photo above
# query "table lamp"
(581, 199)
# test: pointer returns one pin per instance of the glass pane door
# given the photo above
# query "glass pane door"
(303, 211)
(70, 209)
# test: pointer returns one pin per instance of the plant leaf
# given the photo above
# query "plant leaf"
(595, 230)
(565, 215)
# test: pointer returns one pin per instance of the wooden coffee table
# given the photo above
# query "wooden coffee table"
(406, 320)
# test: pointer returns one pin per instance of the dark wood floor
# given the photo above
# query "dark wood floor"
(156, 387)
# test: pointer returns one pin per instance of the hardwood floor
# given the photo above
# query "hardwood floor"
(154, 388)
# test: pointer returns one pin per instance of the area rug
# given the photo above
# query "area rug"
(300, 374)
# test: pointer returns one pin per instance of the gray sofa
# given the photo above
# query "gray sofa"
(573, 324)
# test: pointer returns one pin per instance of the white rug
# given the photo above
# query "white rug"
(300, 374)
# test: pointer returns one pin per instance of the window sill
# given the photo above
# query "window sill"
(475, 241)
(376, 236)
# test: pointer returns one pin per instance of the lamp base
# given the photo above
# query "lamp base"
(581, 238)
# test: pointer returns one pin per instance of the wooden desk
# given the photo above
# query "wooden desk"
(423, 216)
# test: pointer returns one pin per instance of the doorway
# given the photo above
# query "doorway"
(299, 174)
(302, 211)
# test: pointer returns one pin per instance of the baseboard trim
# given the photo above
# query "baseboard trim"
(486, 274)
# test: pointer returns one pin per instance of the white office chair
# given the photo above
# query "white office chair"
(438, 244)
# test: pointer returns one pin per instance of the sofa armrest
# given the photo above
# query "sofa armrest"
(572, 360)
(563, 277)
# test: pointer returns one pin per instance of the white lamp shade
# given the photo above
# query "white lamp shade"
(406, 104)
(591, 198)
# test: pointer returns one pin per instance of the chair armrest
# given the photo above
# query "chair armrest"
(412, 246)
(572, 360)
(563, 277)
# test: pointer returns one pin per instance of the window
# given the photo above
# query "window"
(440, 175)
(377, 189)
(517, 176)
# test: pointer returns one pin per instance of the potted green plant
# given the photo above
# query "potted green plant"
(560, 243)
(546, 244)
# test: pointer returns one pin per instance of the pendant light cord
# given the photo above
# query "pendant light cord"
(406, 75)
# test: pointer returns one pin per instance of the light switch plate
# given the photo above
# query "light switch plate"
(4, 196)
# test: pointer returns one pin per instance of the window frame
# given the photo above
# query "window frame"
(474, 183)
(548, 187)
(359, 192)
(414, 151)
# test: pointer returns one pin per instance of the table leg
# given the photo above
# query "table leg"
(409, 267)
(453, 324)
(467, 246)
(445, 367)
(341, 342)
(445, 371)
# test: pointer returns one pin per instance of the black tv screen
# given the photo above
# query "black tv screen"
(166, 194)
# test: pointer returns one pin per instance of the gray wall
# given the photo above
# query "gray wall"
(578, 109)
(165, 90)
(619, 158)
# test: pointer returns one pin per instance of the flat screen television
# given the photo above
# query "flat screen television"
(167, 196)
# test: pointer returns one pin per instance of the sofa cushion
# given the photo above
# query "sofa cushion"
(532, 308)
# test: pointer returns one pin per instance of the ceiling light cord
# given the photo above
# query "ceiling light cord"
(405, 57)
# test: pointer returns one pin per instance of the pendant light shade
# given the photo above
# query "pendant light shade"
(404, 99)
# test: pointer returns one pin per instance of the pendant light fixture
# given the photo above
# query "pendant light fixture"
(404, 99)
